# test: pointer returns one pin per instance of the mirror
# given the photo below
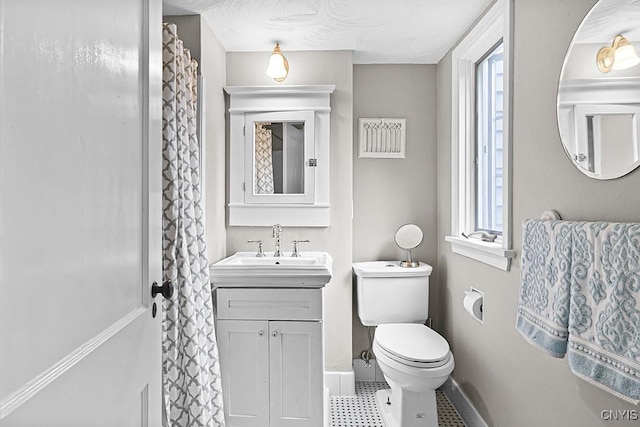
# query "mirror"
(279, 157)
(599, 95)
(409, 237)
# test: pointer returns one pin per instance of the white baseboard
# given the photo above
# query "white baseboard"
(340, 383)
(463, 405)
(327, 407)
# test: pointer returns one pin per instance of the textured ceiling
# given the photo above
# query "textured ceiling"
(609, 18)
(377, 31)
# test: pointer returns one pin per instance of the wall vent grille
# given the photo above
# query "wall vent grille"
(382, 138)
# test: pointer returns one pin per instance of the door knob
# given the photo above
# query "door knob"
(166, 289)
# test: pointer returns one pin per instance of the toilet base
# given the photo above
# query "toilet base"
(407, 408)
(382, 397)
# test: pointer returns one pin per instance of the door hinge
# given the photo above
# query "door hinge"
(244, 130)
(313, 162)
(244, 186)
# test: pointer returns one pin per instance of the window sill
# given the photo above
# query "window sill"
(489, 253)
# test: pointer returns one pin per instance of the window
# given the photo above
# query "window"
(489, 142)
(481, 165)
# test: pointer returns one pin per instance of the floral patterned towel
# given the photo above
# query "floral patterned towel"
(580, 291)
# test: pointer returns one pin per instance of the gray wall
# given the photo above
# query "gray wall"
(510, 382)
(328, 67)
(205, 48)
(388, 193)
(213, 68)
(188, 32)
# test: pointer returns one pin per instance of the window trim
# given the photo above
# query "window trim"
(495, 24)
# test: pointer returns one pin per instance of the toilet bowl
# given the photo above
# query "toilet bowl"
(415, 361)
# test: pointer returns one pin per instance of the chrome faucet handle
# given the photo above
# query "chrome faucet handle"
(295, 252)
(260, 251)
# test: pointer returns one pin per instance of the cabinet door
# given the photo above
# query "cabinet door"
(297, 374)
(244, 361)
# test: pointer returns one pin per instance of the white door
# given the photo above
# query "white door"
(296, 374)
(80, 227)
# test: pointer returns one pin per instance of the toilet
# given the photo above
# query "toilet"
(414, 359)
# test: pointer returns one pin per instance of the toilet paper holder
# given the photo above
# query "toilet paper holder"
(473, 304)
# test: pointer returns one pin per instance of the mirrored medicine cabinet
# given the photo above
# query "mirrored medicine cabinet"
(279, 155)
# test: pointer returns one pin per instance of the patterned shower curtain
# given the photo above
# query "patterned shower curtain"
(191, 370)
(264, 159)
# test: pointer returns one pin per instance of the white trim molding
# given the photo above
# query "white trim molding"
(490, 253)
(340, 383)
(21, 396)
(495, 25)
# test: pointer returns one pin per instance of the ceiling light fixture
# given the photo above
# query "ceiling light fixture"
(620, 56)
(278, 68)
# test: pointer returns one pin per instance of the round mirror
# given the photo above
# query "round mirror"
(599, 91)
(408, 237)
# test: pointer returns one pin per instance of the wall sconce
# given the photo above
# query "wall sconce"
(620, 56)
(278, 68)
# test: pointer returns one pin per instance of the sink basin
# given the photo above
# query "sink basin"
(244, 269)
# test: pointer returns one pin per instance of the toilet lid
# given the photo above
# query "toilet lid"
(412, 342)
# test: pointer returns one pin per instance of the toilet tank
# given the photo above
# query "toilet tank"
(388, 293)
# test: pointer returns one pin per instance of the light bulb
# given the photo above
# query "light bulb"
(625, 57)
(278, 68)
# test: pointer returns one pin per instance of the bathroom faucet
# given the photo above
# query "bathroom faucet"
(296, 252)
(260, 251)
(277, 229)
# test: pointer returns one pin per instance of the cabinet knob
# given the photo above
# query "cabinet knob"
(274, 334)
(261, 333)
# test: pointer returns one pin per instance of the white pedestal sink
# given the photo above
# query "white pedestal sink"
(244, 269)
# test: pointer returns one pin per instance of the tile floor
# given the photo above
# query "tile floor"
(361, 411)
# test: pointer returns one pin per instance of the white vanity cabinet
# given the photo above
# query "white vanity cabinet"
(271, 354)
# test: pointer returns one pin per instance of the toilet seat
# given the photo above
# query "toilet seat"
(412, 345)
